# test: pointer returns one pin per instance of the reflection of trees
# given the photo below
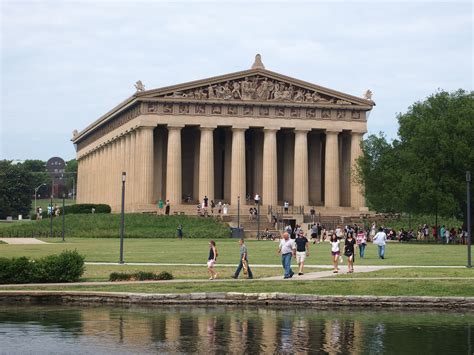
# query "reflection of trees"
(65, 319)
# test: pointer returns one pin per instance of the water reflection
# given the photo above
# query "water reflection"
(230, 330)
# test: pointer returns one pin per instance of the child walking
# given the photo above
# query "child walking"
(211, 260)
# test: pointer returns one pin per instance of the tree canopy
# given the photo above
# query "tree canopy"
(15, 189)
(424, 170)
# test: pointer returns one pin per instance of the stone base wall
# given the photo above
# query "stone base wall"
(235, 298)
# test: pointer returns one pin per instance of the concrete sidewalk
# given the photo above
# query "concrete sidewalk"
(323, 266)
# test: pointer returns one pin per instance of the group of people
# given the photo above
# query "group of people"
(299, 248)
(167, 206)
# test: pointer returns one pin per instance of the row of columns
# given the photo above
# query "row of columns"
(100, 170)
(270, 182)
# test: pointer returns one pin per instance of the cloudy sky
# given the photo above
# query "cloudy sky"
(65, 63)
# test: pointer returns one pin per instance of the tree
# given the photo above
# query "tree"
(71, 174)
(16, 189)
(429, 160)
(39, 176)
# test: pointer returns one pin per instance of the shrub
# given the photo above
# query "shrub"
(65, 267)
(140, 276)
(82, 208)
(164, 275)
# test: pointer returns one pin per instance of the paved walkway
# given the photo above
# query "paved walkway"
(322, 266)
(22, 241)
(329, 273)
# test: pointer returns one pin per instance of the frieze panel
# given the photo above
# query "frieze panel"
(341, 114)
(232, 110)
(264, 111)
(294, 112)
(257, 88)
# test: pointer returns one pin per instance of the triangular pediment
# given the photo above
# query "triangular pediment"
(257, 85)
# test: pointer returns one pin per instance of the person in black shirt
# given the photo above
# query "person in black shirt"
(349, 251)
(302, 251)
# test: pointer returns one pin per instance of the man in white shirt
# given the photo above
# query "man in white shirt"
(380, 240)
(287, 249)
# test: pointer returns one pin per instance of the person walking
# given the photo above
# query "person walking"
(286, 249)
(160, 206)
(335, 252)
(180, 232)
(361, 241)
(314, 233)
(167, 207)
(349, 251)
(302, 251)
(211, 260)
(380, 240)
(244, 261)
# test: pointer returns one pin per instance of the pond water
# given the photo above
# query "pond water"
(50, 329)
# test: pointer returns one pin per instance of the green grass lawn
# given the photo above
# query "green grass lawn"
(195, 251)
(107, 225)
(464, 288)
(407, 272)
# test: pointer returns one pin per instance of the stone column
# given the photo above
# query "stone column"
(331, 180)
(144, 173)
(158, 166)
(131, 182)
(270, 177)
(173, 166)
(227, 165)
(300, 184)
(288, 166)
(357, 197)
(238, 166)
(206, 164)
(127, 169)
(196, 161)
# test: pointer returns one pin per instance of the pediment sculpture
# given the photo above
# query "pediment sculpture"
(256, 88)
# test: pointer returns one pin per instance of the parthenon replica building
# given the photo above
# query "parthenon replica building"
(239, 134)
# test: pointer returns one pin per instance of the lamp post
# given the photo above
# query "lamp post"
(238, 212)
(468, 212)
(122, 217)
(51, 217)
(258, 219)
(63, 216)
(36, 192)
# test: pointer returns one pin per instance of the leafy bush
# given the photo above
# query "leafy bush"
(165, 275)
(65, 267)
(140, 276)
(119, 276)
(82, 208)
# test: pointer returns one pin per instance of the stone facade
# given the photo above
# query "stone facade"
(234, 135)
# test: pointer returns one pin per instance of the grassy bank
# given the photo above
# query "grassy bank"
(195, 251)
(439, 288)
(107, 226)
